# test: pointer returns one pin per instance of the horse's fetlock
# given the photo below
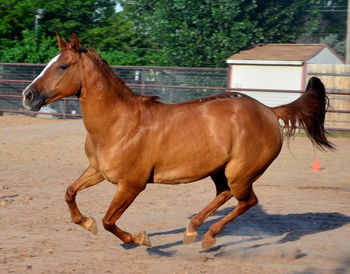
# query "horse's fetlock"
(129, 239)
(77, 220)
(214, 230)
(195, 222)
(253, 201)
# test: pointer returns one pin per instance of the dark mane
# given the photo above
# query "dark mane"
(224, 95)
(103, 64)
(98, 60)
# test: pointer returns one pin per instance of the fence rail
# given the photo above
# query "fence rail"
(171, 84)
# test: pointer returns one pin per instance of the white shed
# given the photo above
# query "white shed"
(276, 67)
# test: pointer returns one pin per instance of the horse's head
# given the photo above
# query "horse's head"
(60, 78)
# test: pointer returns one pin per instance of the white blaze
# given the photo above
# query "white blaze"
(53, 60)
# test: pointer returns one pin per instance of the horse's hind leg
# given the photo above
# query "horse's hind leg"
(240, 180)
(89, 178)
(243, 205)
(223, 194)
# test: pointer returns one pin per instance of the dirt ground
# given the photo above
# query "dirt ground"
(301, 225)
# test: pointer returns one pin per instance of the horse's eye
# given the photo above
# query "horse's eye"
(63, 67)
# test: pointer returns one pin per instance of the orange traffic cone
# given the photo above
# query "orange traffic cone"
(316, 166)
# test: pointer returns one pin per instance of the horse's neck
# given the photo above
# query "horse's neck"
(103, 96)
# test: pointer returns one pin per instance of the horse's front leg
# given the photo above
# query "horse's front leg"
(123, 198)
(89, 178)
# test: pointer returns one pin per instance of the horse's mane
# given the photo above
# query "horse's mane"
(105, 67)
(102, 63)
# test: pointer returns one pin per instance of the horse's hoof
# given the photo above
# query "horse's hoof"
(90, 225)
(190, 237)
(208, 244)
(141, 238)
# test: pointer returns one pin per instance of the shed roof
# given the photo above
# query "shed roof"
(298, 53)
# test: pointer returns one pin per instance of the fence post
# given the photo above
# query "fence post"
(64, 108)
(142, 82)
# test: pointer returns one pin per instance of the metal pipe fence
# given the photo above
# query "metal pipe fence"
(170, 84)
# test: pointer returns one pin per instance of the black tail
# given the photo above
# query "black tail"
(308, 111)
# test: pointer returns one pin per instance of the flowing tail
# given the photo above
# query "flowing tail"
(308, 111)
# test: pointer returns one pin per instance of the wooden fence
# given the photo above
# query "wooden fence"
(336, 78)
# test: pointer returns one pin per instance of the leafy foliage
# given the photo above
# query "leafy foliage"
(333, 19)
(205, 33)
(29, 50)
(160, 32)
(333, 41)
(28, 36)
(332, 30)
(132, 58)
(14, 19)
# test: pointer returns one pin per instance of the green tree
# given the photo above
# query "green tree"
(160, 32)
(63, 16)
(206, 32)
(27, 36)
(15, 16)
(333, 18)
(332, 30)
(29, 50)
(68, 16)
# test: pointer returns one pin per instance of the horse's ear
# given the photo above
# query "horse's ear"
(74, 42)
(62, 44)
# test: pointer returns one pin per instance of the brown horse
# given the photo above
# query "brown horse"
(134, 140)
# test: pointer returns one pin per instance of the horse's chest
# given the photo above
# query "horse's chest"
(118, 164)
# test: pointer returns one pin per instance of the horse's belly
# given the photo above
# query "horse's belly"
(178, 176)
(187, 171)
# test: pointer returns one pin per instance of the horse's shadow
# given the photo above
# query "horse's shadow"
(259, 224)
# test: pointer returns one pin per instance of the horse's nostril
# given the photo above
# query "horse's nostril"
(32, 100)
(30, 96)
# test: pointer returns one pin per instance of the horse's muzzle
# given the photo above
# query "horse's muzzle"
(32, 100)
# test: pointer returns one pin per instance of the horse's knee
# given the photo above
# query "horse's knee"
(70, 194)
(107, 224)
